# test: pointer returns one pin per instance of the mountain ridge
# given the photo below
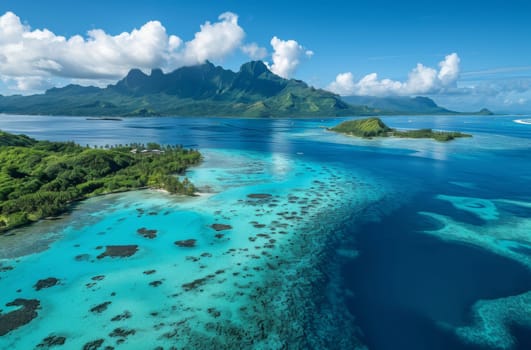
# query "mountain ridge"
(417, 105)
(200, 90)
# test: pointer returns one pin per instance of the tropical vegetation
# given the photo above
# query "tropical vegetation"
(39, 179)
(375, 127)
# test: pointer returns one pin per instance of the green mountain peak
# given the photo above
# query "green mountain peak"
(156, 72)
(199, 90)
(255, 68)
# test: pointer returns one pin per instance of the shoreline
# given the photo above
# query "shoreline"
(70, 206)
(97, 171)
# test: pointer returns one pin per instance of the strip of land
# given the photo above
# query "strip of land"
(40, 179)
(375, 127)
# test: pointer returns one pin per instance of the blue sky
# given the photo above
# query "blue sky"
(490, 40)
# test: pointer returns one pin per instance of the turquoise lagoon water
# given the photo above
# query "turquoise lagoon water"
(379, 244)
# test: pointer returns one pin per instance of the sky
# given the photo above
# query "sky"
(465, 55)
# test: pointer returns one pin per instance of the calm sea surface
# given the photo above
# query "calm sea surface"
(435, 255)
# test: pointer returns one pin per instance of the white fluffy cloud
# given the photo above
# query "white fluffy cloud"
(421, 80)
(287, 55)
(449, 70)
(214, 41)
(30, 57)
(344, 84)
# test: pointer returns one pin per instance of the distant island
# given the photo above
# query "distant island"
(40, 179)
(375, 127)
(206, 90)
(402, 105)
(105, 118)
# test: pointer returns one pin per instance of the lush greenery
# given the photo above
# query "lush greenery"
(202, 90)
(372, 127)
(7, 139)
(369, 127)
(429, 134)
(406, 105)
(41, 178)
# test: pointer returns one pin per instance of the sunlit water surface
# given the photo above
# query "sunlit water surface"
(302, 237)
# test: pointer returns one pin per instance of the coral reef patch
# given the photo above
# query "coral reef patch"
(20, 317)
(187, 243)
(119, 251)
(46, 283)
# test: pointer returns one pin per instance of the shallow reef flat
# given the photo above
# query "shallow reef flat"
(493, 321)
(239, 266)
(503, 228)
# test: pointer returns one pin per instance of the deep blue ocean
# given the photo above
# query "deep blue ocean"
(415, 277)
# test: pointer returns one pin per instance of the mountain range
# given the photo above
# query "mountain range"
(406, 105)
(207, 90)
